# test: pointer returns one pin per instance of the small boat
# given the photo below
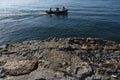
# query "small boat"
(57, 12)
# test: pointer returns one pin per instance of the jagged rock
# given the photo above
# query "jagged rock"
(107, 78)
(2, 75)
(4, 46)
(45, 73)
(97, 77)
(82, 69)
(19, 67)
(60, 59)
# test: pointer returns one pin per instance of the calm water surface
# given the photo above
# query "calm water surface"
(22, 20)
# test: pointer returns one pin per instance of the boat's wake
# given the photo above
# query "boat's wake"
(21, 14)
(34, 13)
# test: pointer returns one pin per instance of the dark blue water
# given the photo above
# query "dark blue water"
(22, 20)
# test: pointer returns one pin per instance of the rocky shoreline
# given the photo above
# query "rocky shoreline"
(61, 59)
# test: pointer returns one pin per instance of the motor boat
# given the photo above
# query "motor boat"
(61, 12)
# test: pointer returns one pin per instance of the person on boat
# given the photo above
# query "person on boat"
(57, 10)
(50, 10)
(63, 9)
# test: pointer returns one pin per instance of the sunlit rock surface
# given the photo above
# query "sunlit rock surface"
(61, 59)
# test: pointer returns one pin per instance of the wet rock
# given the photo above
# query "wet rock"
(19, 67)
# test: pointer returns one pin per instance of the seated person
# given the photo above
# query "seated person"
(57, 10)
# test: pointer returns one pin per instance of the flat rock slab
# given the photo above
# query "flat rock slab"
(19, 67)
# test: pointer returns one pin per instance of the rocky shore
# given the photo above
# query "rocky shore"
(61, 59)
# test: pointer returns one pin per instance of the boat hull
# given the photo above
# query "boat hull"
(57, 13)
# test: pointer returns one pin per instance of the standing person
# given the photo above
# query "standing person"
(63, 9)
(50, 9)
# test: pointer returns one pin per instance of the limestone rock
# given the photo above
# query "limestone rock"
(19, 67)
(61, 59)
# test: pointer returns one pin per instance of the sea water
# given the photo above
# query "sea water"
(24, 20)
